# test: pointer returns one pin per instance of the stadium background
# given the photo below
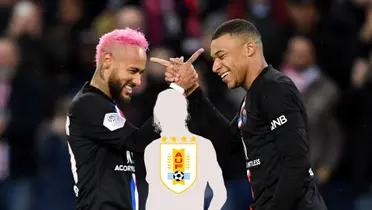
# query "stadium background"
(47, 51)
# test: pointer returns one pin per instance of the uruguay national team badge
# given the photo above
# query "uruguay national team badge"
(178, 163)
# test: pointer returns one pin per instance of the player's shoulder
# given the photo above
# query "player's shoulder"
(275, 82)
(89, 104)
(86, 99)
(273, 77)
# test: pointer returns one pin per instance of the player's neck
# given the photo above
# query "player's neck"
(254, 70)
(100, 84)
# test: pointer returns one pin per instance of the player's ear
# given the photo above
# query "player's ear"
(106, 61)
(249, 48)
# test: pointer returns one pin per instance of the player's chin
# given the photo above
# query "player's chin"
(231, 85)
(126, 98)
(126, 95)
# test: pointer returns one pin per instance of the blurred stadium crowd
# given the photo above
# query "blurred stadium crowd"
(47, 50)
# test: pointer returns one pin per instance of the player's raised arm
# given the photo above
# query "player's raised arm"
(179, 72)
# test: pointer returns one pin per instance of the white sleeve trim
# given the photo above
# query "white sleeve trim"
(177, 88)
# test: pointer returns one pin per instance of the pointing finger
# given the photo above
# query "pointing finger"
(195, 55)
(160, 61)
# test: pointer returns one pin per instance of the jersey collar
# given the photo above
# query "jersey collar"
(89, 88)
(263, 72)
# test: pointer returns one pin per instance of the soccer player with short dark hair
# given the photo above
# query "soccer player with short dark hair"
(271, 123)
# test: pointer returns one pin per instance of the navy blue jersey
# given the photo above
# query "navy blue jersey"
(271, 124)
(101, 143)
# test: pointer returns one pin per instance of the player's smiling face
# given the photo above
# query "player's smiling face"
(128, 65)
(229, 61)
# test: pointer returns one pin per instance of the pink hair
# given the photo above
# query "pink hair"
(121, 36)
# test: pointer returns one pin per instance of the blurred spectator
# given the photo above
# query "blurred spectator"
(236, 9)
(114, 17)
(130, 16)
(104, 22)
(361, 73)
(176, 23)
(61, 45)
(4, 154)
(154, 18)
(8, 66)
(26, 103)
(366, 29)
(25, 27)
(304, 15)
(261, 12)
(5, 12)
(320, 96)
(348, 25)
(54, 178)
(303, 19)
(357, 123)
(25, 20)
(355, 114)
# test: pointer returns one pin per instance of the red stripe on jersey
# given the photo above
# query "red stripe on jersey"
(249, 180)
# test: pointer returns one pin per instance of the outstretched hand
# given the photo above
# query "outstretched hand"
(180, 72)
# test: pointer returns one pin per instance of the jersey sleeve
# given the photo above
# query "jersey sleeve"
(204, 115)
(143, 136)
(282, 108)
(96, 119)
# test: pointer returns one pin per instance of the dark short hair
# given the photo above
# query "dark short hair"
(237, 27)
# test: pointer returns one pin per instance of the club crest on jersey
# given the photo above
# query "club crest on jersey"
(242, 118)
(178, 163)
(242, 115)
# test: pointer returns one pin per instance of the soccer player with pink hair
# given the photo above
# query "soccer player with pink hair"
(100, 138)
